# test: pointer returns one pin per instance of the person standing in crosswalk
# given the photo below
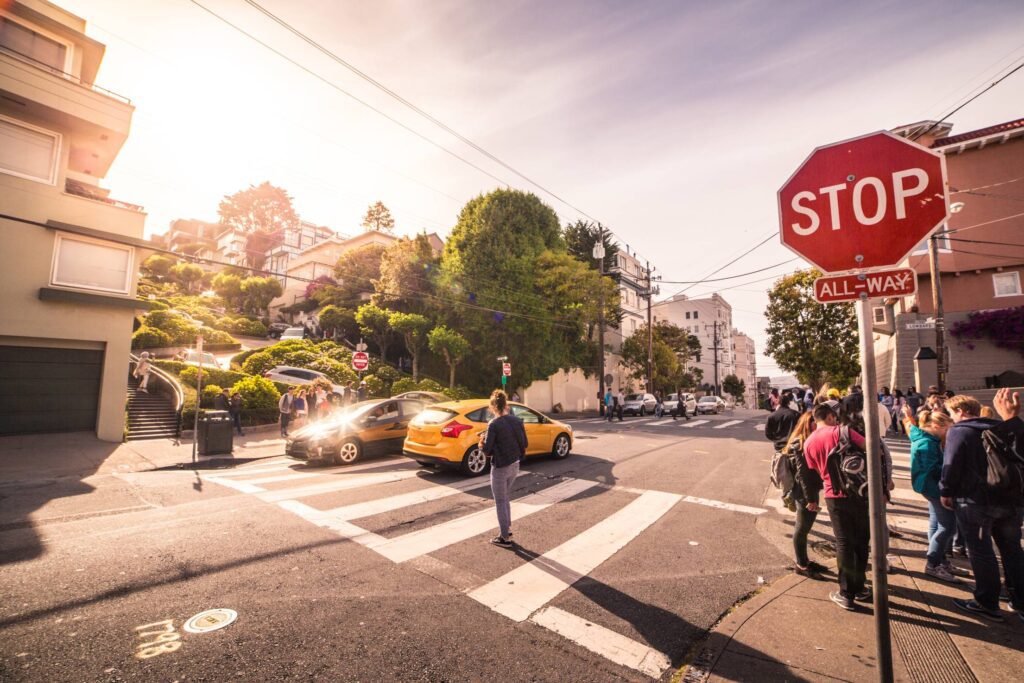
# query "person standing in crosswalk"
(505, 445)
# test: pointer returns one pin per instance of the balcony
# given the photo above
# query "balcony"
(79, 189)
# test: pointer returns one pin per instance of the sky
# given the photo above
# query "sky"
(673, 123)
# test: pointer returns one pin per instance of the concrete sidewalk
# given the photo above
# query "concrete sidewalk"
(791, 631)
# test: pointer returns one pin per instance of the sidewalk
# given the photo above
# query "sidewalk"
(791, 631)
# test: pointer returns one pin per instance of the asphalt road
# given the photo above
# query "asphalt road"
(628, 551)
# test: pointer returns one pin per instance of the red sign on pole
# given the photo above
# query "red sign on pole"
(360, 361)
(863, 203)
(506, 369)
(880, 284)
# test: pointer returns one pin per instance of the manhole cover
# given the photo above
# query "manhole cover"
(210, 620)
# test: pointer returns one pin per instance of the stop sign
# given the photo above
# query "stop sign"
(360, 361)
(863, 203)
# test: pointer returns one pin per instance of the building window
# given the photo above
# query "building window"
(28, 152)
(695, 316)
(43, 50)
(1006, 284)
(879, 314)
(86, 263)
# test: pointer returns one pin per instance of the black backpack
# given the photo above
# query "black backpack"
(1005, 454)
(847, 467)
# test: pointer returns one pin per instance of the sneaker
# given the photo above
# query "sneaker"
(502, 542)
(955, 570)
(959, 552)
(865, 595)
(807, 571)
(1004, 594)
(972, 607)
(841, 600)
(942, 573)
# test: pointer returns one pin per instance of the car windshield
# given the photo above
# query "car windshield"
(708, 399)
(635, 397)
(206, 358)
(435, 416)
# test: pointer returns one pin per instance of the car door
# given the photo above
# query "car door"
(377, 435)
(538, 430)
(409, 409)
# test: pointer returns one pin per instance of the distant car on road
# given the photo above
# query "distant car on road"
(275, 330)
(425, 396)
(293, 333)
(672, 401)
(286, 374)
(193, 357)
(710, 405)
(639, 404)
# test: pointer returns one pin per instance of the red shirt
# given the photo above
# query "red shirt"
(816, 449)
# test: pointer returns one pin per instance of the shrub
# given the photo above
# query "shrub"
(431, 385)
(258, 394)
(225, 378)
(212, 336)
(178, 329)
(156, 305)
(245, 326)
(172, 366)
(403, 385)
(374, 385)
(259, 362)
(210, 392)
(150, 338)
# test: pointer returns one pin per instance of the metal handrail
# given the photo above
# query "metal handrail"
(63, 74)
(172, 382)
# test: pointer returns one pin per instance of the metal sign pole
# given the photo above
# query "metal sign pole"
(876, 497)
(199, 397)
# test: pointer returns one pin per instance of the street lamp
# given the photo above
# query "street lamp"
(599, 255)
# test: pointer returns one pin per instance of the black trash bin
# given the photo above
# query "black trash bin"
(215, 435)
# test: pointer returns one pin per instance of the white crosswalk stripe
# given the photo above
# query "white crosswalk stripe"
(730, 423)
(759, 427)
(694, 423)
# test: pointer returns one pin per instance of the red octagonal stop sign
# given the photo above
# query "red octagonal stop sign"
(863, 203)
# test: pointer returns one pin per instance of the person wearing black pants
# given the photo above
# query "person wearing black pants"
(807, 485)
(852, 528)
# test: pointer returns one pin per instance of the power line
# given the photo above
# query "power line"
(1000, 244)
(730, 277)
(985, 187)
(717, 270)
(979, 225)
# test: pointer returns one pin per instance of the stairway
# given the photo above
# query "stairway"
(150, 416)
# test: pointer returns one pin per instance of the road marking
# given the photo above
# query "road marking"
(694, 423)
(662, 423)
(242, 472)
(759, 427)
(416, 543)
(602, 641)
(725, 506)
(232, 484)
(339, 485)
(343, 528)
(730, 423)
(544, 578)
(381, 505)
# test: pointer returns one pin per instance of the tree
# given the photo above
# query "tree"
(187, 274)
(355, 274)
(158, 266)
(258, 292)
(580, 238)
(414, 329)
(375, 322)
(407, 271)
(378, 218)
(229, 288)
(453, 346)
(264, 212)
(735, 387)
(672, 349)
(339, 322)
(816, 342)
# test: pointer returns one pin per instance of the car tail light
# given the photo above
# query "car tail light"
(453, 429)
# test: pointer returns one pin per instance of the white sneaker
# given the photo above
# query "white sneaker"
(941, 573)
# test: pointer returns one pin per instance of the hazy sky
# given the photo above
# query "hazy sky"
(674, 123)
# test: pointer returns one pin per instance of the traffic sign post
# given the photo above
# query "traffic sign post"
(360, 361)
(506, 372)
(851, 208)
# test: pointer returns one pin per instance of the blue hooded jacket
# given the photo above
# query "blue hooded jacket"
(925, 462)
(965, 465)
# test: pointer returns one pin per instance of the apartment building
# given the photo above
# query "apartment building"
(69, 278)
(745, 354)
(632, 277)
(710, 320)
(981, 262)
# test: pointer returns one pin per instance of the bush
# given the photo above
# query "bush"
(210, 392)
(245, 326)
(259, 362)
(172, 366)
(180, 330)
(374, 386)
(225, 378)
(403, 385)
(258, 394)
(431, 385)
(212, 336)
(156, 305)
(239, 358)
(150, 338)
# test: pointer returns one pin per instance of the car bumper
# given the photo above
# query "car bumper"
(429, 459)
(302, 450)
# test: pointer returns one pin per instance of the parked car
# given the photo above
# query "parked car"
(293, 333)
(710, 405)
(275, 330)
(376, 427)
(192, 357)
(447, 434)
(639, 404)
(286, 374)
(672, 401)
(425, 396)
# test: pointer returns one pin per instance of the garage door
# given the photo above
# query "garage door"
(48, 390)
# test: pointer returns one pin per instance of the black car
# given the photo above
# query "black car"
(274, 330)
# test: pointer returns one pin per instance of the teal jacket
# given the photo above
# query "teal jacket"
(925, 462)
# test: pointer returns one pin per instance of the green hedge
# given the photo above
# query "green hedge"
(150, 338)
(244, 326)
(225, 378)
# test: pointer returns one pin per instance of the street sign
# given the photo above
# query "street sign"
(925, 325)
(360, 361)
(879, 284)
(506, 369)
(863, 203)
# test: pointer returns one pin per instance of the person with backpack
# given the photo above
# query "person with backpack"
(832, 452)
(781, 422)
(927, 431)
(983, 481)
(804, 487)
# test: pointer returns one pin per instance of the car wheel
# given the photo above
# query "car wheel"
(643, 411)
(562, 446)
(474, 462)
(348, 452)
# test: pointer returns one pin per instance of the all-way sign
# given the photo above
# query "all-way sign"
(881, 284)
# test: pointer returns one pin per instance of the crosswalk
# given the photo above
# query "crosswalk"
(360, 503)
(585, 424)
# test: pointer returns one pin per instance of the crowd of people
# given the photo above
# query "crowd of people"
(301, 405)
(967, 462)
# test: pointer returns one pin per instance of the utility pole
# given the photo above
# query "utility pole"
(650, 333)
(599, 255)
(940, 323)
(714, 350)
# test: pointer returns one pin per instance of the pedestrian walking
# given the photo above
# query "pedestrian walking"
(849, 514)
(235, 409)
(780, 424)
(284, 407)
(987, 500)
(680, 410)
(927, 431)
(299, 408)
(659, 407)
(609, 404)
(807, 485)
(505, 444)
(898, 403)
(222, 400)
(361, 392)
(914, 399)
(142, 370)
(620, 403)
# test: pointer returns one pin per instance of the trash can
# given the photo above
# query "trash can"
(215, 435)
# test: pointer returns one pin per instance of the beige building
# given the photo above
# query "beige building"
(709, 319)
(632, 276)
(745, 354)
(69, 273)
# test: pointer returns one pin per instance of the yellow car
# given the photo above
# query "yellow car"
(448, 434)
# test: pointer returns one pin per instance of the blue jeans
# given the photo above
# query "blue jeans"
(941, 527)
(502, 479)
(982, 524)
